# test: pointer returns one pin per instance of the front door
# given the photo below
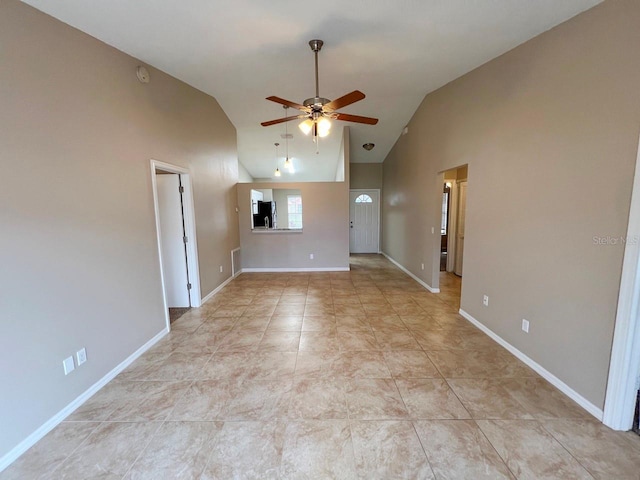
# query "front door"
(364, 227)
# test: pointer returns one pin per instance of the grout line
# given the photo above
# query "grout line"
(563, 445)
(413, 424)
(504, 460)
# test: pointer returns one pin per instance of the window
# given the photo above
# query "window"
(364, 198)
(294, 209)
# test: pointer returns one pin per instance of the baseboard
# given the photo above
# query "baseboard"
(420, 281)
(54, 421)
(292, 270)
(218, 288)
(543, 372)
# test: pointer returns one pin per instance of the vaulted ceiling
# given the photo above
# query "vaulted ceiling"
(243, 51)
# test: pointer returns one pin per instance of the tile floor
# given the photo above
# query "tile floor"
(360, 374)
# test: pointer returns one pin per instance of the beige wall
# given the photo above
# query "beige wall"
(325, 221)
(78, 246)
(550, 133)
(366, 175)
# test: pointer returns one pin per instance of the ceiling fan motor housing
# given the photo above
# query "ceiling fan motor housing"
(316, 102)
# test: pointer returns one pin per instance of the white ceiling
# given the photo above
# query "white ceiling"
(242, 51)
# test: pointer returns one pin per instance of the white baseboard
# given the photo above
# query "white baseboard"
(292, 270)
(218, 288)
(543, 372)
(54, 421)
(420, 281)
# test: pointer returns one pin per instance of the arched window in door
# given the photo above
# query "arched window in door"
(364, 198)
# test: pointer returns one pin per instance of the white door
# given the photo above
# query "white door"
(462, 205)
(364, 229)
(174, 260)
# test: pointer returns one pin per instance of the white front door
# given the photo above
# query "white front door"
(174, 260)
(462, 205)
(364, 226)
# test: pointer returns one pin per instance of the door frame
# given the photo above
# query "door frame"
(190, 232)
(624, 366)
(452, 225)
(459, 257)
(362, 190)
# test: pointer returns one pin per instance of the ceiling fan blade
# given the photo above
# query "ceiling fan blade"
(288, 103)
(343, 101)
(281, 120)
(345, 117)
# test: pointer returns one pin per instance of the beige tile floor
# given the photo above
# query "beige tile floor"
(360, 374)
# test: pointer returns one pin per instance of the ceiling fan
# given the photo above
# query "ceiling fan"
(318, 110)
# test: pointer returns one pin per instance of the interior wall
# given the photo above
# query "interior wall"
(243, 174)
(550, 132)
(325, 221)
(78, 251)
(366, 175)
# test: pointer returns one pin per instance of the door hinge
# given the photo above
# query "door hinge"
(188, 286)
(185, 239)
(181, 189)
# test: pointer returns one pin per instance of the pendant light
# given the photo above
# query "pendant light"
(288, 164)
(277, 172)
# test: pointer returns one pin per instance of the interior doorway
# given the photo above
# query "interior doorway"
(364, 221)
(622, 395)
(176, 235)
(452, 233)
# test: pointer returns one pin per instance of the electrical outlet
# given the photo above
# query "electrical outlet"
(220, 268)
(81, 356)
(422, 266)
(311, 256)
(68, 365)
(525, 325)
(433, 230)
(485, 300)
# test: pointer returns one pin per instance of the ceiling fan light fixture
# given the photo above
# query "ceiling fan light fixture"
(324, 126)
(306, 126)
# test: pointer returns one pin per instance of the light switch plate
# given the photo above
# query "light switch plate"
(81, 356)
(68, 365)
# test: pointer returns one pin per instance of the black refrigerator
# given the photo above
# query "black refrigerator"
(266, 216)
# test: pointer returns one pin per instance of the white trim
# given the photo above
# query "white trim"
(624, 367)
(453, 224)
(234, 272)
(419, 280)
(190, 230)
(543, 372)
(54, 421)
(287, 269)
(217, 289)
(377, 190)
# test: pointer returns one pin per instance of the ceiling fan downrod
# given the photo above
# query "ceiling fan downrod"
(316, 46)
(317, 102)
